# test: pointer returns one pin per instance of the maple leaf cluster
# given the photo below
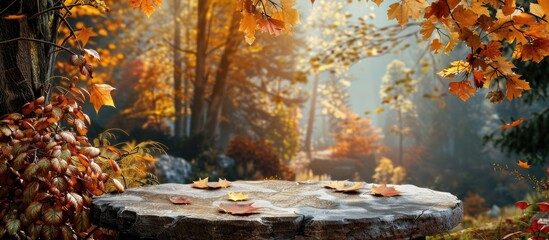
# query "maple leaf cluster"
(485, 27)
(267, 16)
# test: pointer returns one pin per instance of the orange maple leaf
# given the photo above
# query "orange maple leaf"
(85, 34)
(406, 9)
(515, 86)
(535, 50)
(463, 89)
(513, 124)
(385, 191)
(271, 25)
(248, 25)
(100, 95)
(146, 6)
(491, 50)
(522, 164)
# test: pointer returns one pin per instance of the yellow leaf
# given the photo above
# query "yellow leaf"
(100, 95)
(146, 6)
(223, 183)
(522, 164)
(379, 110)
(234, 196)
(406, 9)
(248, 25)
(455, 68)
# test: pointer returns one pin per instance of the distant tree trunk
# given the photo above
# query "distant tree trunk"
(198, 104)
(220, 86)
(177, 71)
(25, 65)
(400, 150)
(311, 120)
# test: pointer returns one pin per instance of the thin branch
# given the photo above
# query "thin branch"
(38, 40)
(5, 9)
(179, 49)
(63, 6)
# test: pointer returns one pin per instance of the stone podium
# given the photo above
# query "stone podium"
(289, 210)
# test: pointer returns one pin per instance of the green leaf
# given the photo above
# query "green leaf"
(13, 226)
(49, 232)
(33, 231)
(52, 216)
(60, 183)
(30, 171)
(30, 191)
(81, 221)
(66, 233)
(33, 210)
(75, 200)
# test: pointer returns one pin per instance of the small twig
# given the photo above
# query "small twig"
(40, 41)
(63, 6)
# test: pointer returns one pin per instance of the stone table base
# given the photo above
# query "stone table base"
(290, 210)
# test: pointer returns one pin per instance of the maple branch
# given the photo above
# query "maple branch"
(38, 40)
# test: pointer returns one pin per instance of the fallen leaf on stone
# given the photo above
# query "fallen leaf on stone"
(223, 183)
(336, 184)
(179, 200)
(238, 209)
(201, 183)
(385, 191)
(234, 196)
(352, 188)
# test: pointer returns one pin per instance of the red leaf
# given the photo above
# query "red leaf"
(179, 200)
(522, 205)
(544, 207)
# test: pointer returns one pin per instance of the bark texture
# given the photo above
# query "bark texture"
(26, 66)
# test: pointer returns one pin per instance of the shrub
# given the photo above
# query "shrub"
(49, 172)
(255, 159)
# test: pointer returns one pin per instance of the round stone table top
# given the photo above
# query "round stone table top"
(289, 210)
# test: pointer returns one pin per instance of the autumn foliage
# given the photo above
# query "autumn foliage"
(48, 173)
(357, 139)
(255, 159)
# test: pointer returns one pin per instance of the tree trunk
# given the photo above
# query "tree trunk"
(400, 150)
(218, 93)
(177, 71)
(25, 65)
(198, 104)
(311, 120)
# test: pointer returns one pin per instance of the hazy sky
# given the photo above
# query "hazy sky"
(367, 74)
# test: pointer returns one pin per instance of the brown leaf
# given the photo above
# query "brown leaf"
(352, 188)
(85, 34)
(238, 209)
(201, 183)
(336, 184)
(179, 200)
(385, 191)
